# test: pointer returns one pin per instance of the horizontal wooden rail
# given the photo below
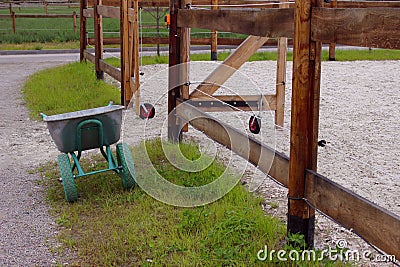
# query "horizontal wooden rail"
(277, 22)
(165, 3)
(40, 16)
(368, 27)
(89, 56)
(193, 41)
(109, 11)
(255, 152)
(88, 13)
(375, 224)
(220, 103)
(365, 4)
(110, 70)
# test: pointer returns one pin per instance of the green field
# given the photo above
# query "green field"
(54, 30)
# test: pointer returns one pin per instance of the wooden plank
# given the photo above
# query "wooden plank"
(281, 78)
(365, 4)
(270, 22)
(255, 152)
(82, 28)
(109, 11)
(232, 63)
(43, 16)
(375, 224)
(98, 36)
(88, 13)
(135, 56)
(174, 90)
(193, 41)
(165, 3)
(231, 103)
(368, 27)
(304, 120)
(126, 91)
(110, 70)
(89, 56)
(332, 46)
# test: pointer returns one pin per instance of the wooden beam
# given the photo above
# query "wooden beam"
(111, 70)
(375, 224)
(82, 28)
(109, 11)
(366, 4)
(232, 63)
(280, 87)
(89, 56)
(231, 103)
(98, 36)
(270, 22)
(368, 27)
(255, 152)
(88, 13)
(135, 56)
(126, 82)
(304, 120)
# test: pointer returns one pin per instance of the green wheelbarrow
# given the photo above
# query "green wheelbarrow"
(78, 131)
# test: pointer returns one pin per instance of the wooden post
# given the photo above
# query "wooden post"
(83, 40)
(304, 120)
(69, 3)
(214, 35)
(14, 24)
(332, 46)
(281, 78)
(74, 16)
(98, 37)
(135, 58)
(179, 40)
(158, 17)
(10, 7)
(126, 91)
(46, 7)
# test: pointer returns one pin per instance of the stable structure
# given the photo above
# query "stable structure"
(309, 23)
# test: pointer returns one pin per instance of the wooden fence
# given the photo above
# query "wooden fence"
(368, 24)
(310, 23)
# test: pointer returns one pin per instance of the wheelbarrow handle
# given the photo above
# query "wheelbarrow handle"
(43, 115)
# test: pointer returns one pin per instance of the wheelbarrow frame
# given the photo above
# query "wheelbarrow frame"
(90, 123)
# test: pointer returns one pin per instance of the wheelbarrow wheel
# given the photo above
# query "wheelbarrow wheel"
(125, 161)
(67, 177)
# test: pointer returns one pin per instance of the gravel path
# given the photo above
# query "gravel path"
(26, 228)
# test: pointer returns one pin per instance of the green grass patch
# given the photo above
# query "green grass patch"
(67, 88)
(109, 226)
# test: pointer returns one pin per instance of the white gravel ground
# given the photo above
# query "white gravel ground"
(359, 117)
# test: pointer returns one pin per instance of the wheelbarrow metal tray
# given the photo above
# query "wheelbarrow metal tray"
(63, 128)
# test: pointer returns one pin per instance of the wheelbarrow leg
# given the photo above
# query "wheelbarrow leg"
(67, 177)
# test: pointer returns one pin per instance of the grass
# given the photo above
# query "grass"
(67, 88)
(108, 226)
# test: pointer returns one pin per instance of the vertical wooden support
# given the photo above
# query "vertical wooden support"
(179, 39)
(46, 7)
(14, 23)
(304, 120)
(281, 78)
(74, 17)
(98, 39)
(10, 8)
(214, 35)
(135, 57)
(126, 91)
(332, 46)
(82, 22)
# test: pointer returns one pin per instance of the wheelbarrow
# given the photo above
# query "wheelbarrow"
(82, 130)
